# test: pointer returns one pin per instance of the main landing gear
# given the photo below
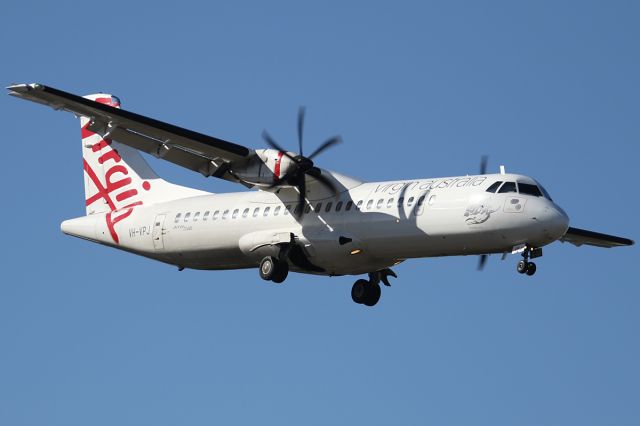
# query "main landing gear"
(368, 292)
(526, 267)
(272, 269)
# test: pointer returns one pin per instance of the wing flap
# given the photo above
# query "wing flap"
(579, 237)
(127, 127)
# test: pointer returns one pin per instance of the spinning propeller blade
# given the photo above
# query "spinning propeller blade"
(482, 261)
(302, 166)
(483, 164)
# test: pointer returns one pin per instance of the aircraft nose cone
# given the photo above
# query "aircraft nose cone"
(556, 220)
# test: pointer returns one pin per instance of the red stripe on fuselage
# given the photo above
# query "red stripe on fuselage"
(276, 169)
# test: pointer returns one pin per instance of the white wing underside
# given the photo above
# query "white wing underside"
(207, 155)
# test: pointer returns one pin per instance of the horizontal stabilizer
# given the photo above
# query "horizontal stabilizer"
(579, 237)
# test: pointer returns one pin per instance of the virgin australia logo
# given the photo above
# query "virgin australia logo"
(478, 213)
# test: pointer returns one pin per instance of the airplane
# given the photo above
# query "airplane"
(301, 218)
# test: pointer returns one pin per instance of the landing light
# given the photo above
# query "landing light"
(355, 251)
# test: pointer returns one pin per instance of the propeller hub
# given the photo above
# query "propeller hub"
(303, 163)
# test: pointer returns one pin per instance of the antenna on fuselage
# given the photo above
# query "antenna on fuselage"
(502, 170)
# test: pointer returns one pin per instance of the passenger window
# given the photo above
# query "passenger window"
(276, 211)
(215, 214)
(390, 203)
(527, 188)
(494, 186)
(318, 207)
(348, 206)
(419, 206)
(328, 207)
(225, 214)
(235, 214)
(508, 187)
(196, 216)
(359, 205)
(205, 216)
(379, 204)
(245, 213)
(178, 216)
(410, 202)
(266, 211)
(400, 201)
(339, 205)
(307, 208)
(187, 216)
(256, 211)
(369, 204)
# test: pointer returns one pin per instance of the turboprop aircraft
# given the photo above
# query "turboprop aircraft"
(301, 218)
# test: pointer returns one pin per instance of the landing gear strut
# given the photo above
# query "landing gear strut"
(367, 292)
(272, 269)
(526, 267)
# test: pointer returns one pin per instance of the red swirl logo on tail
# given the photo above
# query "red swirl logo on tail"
(117, 190)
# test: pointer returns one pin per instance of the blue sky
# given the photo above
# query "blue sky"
(94, 336)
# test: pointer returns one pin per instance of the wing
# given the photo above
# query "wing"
(579, 237)
(195, 151)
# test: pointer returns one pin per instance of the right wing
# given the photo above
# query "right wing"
(195, 151)
(578, 237)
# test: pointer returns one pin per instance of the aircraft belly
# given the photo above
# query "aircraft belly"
(212, 245)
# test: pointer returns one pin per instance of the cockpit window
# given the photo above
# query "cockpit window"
(508, 187)
(544, 191)
(494, 186)
(529, 189)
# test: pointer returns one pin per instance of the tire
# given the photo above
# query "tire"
(531, 268)
(281, 272)
(373, 294)
(267, 268)
(359, 291)
(522, 267)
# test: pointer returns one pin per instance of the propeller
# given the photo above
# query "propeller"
(483, 164)
(482, 261)
(483, 170)
(296, 175)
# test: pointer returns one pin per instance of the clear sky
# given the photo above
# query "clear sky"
(93, 336)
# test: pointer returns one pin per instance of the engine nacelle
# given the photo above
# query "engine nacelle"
(264, 168)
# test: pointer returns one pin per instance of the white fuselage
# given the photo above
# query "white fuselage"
(436, 217)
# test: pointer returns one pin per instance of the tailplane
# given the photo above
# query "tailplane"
(117, 176)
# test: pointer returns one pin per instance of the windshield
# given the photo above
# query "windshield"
(544, 191)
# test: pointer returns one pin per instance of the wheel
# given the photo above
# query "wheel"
(281, 272)
(522, 266)
(359, 291)
(531, 268)
(267, 268)
(373, 294)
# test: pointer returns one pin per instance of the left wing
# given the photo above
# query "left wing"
(207, 155)
(579, 237)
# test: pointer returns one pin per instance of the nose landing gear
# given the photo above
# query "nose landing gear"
(365, 292)
(526, 267)
(368, 292)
